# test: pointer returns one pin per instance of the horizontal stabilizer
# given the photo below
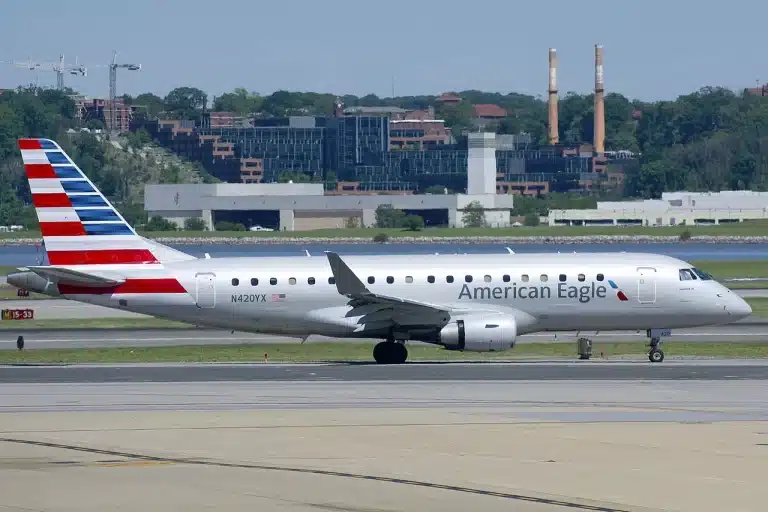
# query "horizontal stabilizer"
(73, 277)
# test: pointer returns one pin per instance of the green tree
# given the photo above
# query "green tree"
(239, 101)
(157, 223)
(185, 102)
(194, 224)
(474, 215)
(388, 217)
(413, 222)
(531, 219)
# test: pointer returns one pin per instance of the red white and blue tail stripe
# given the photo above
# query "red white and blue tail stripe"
(79, 225)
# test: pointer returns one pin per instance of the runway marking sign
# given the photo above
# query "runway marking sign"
(18, 314)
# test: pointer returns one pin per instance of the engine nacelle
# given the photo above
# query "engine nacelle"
(492, 333)
(28, 280)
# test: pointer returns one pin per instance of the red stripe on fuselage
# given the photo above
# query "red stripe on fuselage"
(54, 200)
(102, 257)
(62, 228)
(36, 171)
(29, 144)
(165, 285)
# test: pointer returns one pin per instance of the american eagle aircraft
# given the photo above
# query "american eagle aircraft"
(458, 301)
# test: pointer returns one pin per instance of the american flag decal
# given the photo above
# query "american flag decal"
(277, 297)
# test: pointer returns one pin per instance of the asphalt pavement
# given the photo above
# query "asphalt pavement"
(745, 331)
(709, 370)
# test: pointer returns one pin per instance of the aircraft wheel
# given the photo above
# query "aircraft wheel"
(380, 352)
(400, 353)
(656, 355)
(387, 352)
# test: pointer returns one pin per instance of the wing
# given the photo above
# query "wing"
(375, 307)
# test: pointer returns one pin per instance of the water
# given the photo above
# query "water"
(29, 255)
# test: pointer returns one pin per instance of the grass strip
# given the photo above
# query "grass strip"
(353, 351)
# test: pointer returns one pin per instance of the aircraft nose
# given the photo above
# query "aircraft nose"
(739, 307)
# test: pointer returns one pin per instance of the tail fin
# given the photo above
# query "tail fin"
(79, 225)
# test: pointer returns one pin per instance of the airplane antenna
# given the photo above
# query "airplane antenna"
(207, 256)
(510, 250)
(306, 251)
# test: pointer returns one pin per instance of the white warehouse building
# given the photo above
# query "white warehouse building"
(673, 209)
(304, 206)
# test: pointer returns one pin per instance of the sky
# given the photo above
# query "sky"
(653, 50)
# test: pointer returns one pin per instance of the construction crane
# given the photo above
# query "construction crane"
(60, 68)
(113, 67)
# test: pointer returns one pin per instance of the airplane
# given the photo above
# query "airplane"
(461, 302)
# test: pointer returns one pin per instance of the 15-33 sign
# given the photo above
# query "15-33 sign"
(18, 314)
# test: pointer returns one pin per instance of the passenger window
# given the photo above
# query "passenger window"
(390, 279)
(543, 278)
(273, 280)
(487, 278)
(311, 280)
(448, 279)
(524, 278)
(600, 277)
(371, 279)
(331, 280)
(582, 277)
(562, 278)
(291, 280)
(506, 278)
(408, 279)
(430, 279)
(254, 281)
(468, 278)
(235, 282)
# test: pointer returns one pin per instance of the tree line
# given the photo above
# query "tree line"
(711, 139)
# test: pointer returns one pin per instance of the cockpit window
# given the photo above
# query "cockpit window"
(703, 275)
(687, 275)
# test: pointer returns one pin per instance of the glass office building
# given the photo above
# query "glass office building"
(357, 149)
(284, 145)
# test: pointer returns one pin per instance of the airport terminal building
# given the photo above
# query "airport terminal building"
(673, 209)
(303, 206)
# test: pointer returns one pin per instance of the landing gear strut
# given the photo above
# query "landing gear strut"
(655, 355)
(390, 352)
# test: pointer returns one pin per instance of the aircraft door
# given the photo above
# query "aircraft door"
(206, 290)
(646, 285)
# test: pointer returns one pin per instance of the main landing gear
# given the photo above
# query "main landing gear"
(390, 352)
(655, 355)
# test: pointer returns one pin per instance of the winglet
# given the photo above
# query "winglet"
(347, 283)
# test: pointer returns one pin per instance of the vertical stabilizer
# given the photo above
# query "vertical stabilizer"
(79, 225)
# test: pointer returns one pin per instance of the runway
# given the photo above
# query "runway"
(370, 372)
(745, 331)
(529, 445)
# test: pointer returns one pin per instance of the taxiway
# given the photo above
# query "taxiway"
(746, 331)
(448, 443)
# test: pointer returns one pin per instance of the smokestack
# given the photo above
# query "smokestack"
(554, 137)
(599, 136)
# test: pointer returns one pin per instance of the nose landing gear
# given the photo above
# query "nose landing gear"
(655, 355)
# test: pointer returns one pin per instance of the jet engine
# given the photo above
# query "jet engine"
(28, 280)
(492, 333)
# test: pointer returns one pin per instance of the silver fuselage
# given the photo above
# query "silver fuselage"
(280, 299)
